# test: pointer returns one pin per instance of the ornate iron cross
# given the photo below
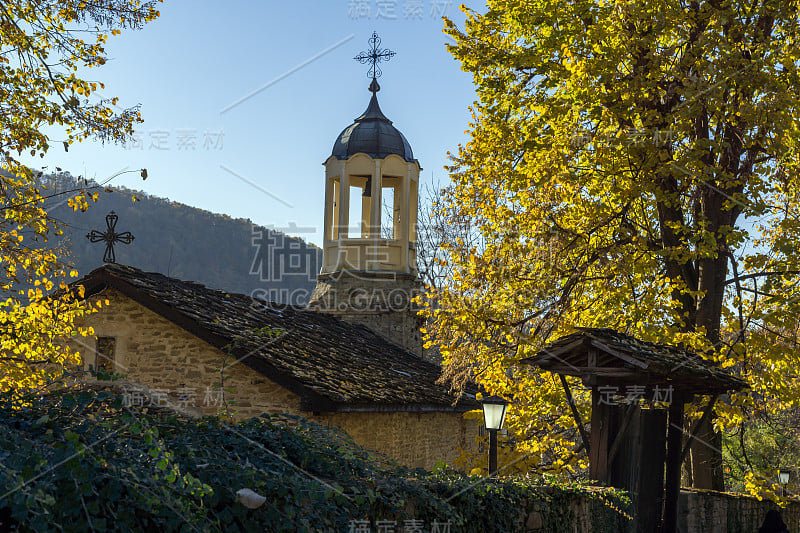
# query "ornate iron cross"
(374, 56)
(110, 237)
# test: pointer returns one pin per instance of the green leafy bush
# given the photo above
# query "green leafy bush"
(82, 461)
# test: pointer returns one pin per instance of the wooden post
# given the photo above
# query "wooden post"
(576, 415)
(598, 451)
(623, 456)
(629, 413)
(672, 482)
(650, 484)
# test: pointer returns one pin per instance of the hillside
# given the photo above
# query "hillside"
(188, 243)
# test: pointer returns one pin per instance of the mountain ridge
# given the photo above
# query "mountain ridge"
(214, 249)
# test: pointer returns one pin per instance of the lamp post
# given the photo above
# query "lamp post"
(494, 414)
(783, 478)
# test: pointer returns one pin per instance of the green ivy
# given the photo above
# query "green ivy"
(82, 461)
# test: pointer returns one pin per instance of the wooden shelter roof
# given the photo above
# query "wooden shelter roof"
(605, 356)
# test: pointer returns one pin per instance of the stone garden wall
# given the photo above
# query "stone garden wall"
(708, 511)
(698, 512)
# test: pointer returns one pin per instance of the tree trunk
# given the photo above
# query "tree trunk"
(706, 453)
(705, 457)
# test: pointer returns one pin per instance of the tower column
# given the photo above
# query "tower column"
(344, 204)
(375, 218)
(375, 207)
(344, 215)
(366, 207)
(329, 223)
(405, 220)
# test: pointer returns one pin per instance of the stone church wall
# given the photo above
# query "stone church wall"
(382, 302)
(413, 439)
(166, 359)
(175, 366)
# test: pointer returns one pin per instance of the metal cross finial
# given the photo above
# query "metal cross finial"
(374, 56)
(110, 237)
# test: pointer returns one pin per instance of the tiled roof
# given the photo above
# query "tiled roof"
(333, 365)
(634, 358)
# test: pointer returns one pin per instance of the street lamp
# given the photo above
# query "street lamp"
(494, 414)
(783, 478)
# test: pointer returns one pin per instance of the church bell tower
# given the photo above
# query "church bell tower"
(369, 267)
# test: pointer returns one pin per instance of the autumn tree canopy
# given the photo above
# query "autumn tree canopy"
(48, 50)
(631, 165)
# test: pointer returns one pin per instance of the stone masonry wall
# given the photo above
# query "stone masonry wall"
(167, 360)
(156, 353)
(698, 512)
(709, 511)
(381, 302)
(413, 439)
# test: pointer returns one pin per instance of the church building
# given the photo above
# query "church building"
(352, 359)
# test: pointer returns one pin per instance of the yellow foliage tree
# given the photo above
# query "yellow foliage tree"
(43, 44)
(631, 165)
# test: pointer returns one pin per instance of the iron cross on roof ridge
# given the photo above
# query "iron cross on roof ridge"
(374, 56)
(110, 237)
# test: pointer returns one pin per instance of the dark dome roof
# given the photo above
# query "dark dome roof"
(373, 134)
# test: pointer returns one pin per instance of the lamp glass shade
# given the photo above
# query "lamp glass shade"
(494, 412)
(783, 476)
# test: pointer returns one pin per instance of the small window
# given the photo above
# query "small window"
(104, 354)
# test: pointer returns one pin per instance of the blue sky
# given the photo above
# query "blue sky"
(261, 159)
